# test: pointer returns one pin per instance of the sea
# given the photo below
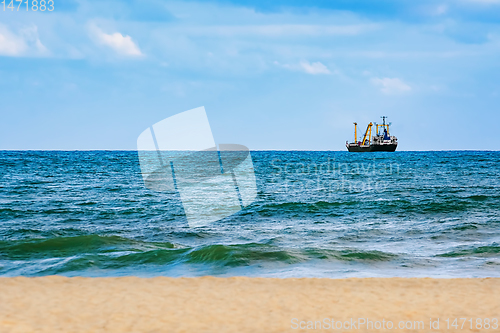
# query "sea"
(323, 214)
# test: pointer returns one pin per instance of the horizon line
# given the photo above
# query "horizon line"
(256, 150)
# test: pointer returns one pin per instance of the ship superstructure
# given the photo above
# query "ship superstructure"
(381, 141)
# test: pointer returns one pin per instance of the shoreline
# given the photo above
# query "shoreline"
(242, 304)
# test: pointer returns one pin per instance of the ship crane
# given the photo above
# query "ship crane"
(355, 132)
(368, 134)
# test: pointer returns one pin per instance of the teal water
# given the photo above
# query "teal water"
(321, 214)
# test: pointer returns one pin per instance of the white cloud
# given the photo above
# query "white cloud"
(279, 30)
(440, 10)
(309, 68)
(123, 45)
(25, 43)
(314, 68)
(390, 86)
(11, 45)
(30, 35)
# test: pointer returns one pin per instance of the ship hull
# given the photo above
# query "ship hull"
(371, 148)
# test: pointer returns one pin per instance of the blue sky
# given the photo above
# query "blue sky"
(271, 75)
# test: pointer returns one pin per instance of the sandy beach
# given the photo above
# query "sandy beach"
(240, 304)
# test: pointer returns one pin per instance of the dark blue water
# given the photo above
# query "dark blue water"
(322, 214)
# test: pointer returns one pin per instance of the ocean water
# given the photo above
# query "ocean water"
(317, 214)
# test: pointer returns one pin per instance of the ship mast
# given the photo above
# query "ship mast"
(384, 125)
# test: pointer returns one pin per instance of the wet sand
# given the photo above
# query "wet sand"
(208, 304)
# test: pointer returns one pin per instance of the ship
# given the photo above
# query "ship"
(381, 141)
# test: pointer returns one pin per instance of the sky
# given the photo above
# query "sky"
(280, 75)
